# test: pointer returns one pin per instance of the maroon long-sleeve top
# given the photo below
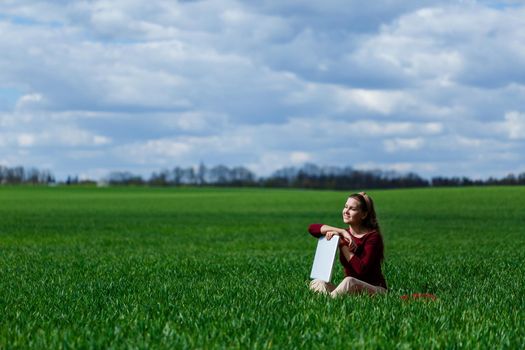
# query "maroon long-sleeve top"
(365, 265)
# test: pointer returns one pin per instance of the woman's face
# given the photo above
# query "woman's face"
(352, 213)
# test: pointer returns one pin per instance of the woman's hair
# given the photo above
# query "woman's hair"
(367, 205)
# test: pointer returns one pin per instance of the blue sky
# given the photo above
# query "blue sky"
(432, 87)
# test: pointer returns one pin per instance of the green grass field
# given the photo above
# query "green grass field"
(228, 268)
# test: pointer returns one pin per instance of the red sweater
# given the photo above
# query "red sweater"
(365, 265)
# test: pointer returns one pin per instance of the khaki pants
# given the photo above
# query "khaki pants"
(349, 285)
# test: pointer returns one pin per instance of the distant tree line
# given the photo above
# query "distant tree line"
(309, 176)
(219, 175)
(20, 175)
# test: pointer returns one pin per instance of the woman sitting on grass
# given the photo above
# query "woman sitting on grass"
(360, 249)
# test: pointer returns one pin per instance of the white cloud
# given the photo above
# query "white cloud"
(29, 101)
(396, 128)
(196, 121)
(268, 162)
(515, 125)
(403, 144)
(71, 136)
(383, 102)
(56, 136)
(456, 44)
(154, 151)
(299, 157)
(400, 167)
(25, 140)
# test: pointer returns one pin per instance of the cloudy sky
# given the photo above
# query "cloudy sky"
(433, 87)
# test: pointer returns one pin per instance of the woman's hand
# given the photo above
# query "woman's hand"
(330, 234)
(346, 235)
(351, 246)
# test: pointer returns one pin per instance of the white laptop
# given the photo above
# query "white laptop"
(324, 258)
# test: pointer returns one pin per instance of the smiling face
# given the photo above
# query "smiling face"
(353, 215)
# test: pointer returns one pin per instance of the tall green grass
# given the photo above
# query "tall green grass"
(228, 268)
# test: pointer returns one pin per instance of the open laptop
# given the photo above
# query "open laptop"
(324, 258)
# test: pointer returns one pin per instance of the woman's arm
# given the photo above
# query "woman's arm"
(347, 253)
(332, 229)
(321, 229)
(346, 239)
(318, 230)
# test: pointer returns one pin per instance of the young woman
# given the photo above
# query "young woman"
(360, 249)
